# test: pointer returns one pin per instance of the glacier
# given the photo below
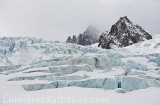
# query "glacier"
(36, 64)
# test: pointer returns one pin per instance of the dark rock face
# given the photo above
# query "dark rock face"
(72, 40)
(123, 33)
(69, 40)
(89, 37)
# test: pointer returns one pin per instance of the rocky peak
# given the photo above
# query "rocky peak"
(123, 33)
(88, 37)
(124, 20)
(121, 25)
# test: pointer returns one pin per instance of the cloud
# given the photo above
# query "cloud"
(57, 19)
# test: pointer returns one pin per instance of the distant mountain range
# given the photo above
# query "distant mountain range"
(122, 33)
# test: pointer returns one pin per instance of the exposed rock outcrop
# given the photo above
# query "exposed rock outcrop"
(89, 37)
(123, 33)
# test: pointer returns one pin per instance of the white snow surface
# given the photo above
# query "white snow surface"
(31, 67)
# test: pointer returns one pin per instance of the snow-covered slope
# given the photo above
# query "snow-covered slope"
(30, 64)
(35, 64)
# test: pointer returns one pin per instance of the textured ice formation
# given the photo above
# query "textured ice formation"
(68, 69)
(156, 59)
(133, 65)
(61, 65)
(90, 83)
(126, 83)
(11, 67)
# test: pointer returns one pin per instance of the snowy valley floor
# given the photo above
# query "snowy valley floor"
(79, 96)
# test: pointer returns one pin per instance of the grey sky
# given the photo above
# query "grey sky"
(57, 19)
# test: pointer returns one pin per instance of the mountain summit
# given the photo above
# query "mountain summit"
(88, 37)
(123, 33)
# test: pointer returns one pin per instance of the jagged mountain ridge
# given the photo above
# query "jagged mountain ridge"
(89, 37)
(123, 33)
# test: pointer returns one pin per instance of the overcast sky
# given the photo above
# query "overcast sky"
(57, 19)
